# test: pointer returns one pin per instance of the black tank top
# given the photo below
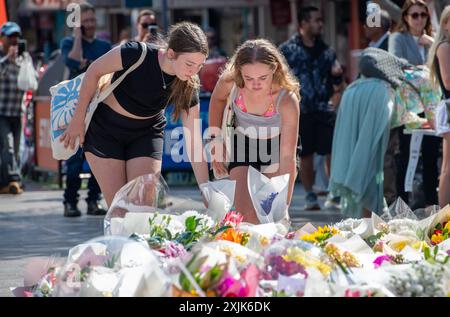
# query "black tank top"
(141, 93)
(445, 92)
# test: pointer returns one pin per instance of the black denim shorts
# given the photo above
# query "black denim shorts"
(258, 153)
(112, 135)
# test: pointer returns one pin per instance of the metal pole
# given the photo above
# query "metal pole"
(165, 16)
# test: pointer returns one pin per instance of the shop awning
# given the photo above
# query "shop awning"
(55, 5)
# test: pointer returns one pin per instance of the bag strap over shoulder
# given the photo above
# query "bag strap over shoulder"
(102, 96)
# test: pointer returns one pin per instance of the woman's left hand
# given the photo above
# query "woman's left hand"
(426, 40)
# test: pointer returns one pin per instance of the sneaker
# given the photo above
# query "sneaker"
(71, 210)
(311, 202)
(15, 188)
(333, 203)
(95, 209)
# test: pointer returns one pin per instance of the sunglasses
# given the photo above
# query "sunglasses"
(146, 25)
(416, 15)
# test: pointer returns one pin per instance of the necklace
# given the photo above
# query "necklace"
(164, 82)
(162, 75)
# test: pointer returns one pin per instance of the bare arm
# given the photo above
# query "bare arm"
(76, 53)
(218, 102)
(193, 139)
(443, 53)
(106, 64)
(216, 107)
(290, 118)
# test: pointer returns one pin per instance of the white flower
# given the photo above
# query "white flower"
(206, 221)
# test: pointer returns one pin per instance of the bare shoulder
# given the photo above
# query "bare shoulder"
(223, 87)
(289, 104)
(443, 50)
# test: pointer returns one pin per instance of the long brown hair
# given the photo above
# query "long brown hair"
(185, 37)
(441, 37)
(403, 26)
(261, 51)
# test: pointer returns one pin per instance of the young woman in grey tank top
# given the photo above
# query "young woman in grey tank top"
(265, 98)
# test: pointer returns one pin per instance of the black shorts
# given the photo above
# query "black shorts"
(112, 135)
(258, 153)
(316, 132)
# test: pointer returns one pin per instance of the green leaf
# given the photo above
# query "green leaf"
(168, 234)
(427, 253)
(435, 251)
(221, 229)
(190, 223)
(446, 259)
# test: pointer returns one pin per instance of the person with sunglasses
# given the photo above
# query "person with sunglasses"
(146, 18)
(412, 41)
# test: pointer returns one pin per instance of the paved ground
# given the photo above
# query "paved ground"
(32, 225)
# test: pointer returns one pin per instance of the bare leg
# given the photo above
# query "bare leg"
(307, 172)
(444, 179)
(110, 175)
(142, 166)
(242, 200)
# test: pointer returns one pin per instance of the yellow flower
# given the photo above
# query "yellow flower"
(399, 245)
(320, 235)
(299, 256)
(420, 245)
(436, 239)
(264, 241)
(447, 226)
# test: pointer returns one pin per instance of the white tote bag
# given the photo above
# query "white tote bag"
(63, 104)
(28, 77)
(441, 117)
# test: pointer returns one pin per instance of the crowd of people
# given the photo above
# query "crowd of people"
(289, 104)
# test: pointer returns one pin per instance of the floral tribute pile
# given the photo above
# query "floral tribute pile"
(151, 252)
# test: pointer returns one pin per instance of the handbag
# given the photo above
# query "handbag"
(27, 78)
(228, 120)
(64, 97)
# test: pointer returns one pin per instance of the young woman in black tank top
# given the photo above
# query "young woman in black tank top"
(439, 63)
(125, 137)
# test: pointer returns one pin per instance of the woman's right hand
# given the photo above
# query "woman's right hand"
(218, 159)
(74, 130)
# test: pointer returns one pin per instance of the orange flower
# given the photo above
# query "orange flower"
(232, 235)
(235, 236)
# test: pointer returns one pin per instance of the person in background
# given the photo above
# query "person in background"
(439, 64)
(315, 64)
(435, 8)
(10, 110)
(214, 49)
(412, 41)
(379, 38)
(146, 18)
(79, 51)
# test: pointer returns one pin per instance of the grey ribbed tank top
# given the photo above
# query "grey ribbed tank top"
(254, 126)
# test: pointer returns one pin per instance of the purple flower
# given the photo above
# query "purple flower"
(275, 265)
(379, 260)
(266, 204)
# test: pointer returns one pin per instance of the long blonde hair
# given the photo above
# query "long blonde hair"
(261, 51)
(441, 37)
(185, 37)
